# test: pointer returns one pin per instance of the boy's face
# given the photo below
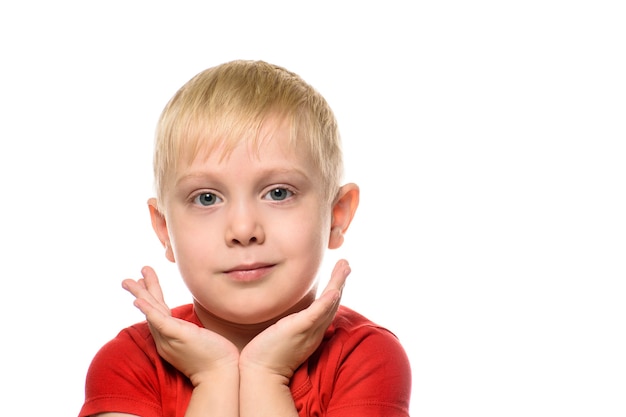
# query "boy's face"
(248, 232)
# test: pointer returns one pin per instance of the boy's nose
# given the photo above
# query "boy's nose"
(244, 227)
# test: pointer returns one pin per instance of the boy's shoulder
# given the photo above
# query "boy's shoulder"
(348, 322)
(360, 364)
(349, 318)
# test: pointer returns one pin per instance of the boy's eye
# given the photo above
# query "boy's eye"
(279, 194)
(206, 199)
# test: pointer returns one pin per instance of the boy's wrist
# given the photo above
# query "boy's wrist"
(259, 375)
(215, 393)
(265, 393)
(218, 376)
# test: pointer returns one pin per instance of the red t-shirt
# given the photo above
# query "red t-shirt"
(360, 369)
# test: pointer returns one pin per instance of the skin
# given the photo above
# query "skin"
(248, 233)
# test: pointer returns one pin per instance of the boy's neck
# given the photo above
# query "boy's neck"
(238, 334)
(241, 334)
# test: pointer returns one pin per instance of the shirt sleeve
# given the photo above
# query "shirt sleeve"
(122, 378)
(373, 378)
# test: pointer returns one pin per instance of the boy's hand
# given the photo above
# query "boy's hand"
(193, 350)
(282, 347)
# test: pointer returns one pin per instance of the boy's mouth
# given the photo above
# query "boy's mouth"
(249, 272)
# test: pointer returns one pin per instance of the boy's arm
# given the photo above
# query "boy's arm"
(263, 394)
(268, 362)
(218, 396)
(209, 360)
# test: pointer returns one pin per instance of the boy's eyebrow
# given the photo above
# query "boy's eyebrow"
(202, 175)
(192, 176)
(292, 170)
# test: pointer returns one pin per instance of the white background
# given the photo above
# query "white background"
(487, 138)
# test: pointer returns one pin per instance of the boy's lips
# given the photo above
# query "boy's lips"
(249, 272)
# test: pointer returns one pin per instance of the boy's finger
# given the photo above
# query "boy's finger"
(140, 292)
(338, 276)
(327, 304)
(152, 283)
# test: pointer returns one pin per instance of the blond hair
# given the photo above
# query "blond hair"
(228, 103)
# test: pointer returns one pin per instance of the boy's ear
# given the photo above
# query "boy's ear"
(160, 228)
(343, 212)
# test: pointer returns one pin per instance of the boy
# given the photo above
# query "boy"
(247, 168)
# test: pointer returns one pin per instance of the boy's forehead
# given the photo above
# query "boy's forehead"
(272, 133)
(272, 156)
(272, 147)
